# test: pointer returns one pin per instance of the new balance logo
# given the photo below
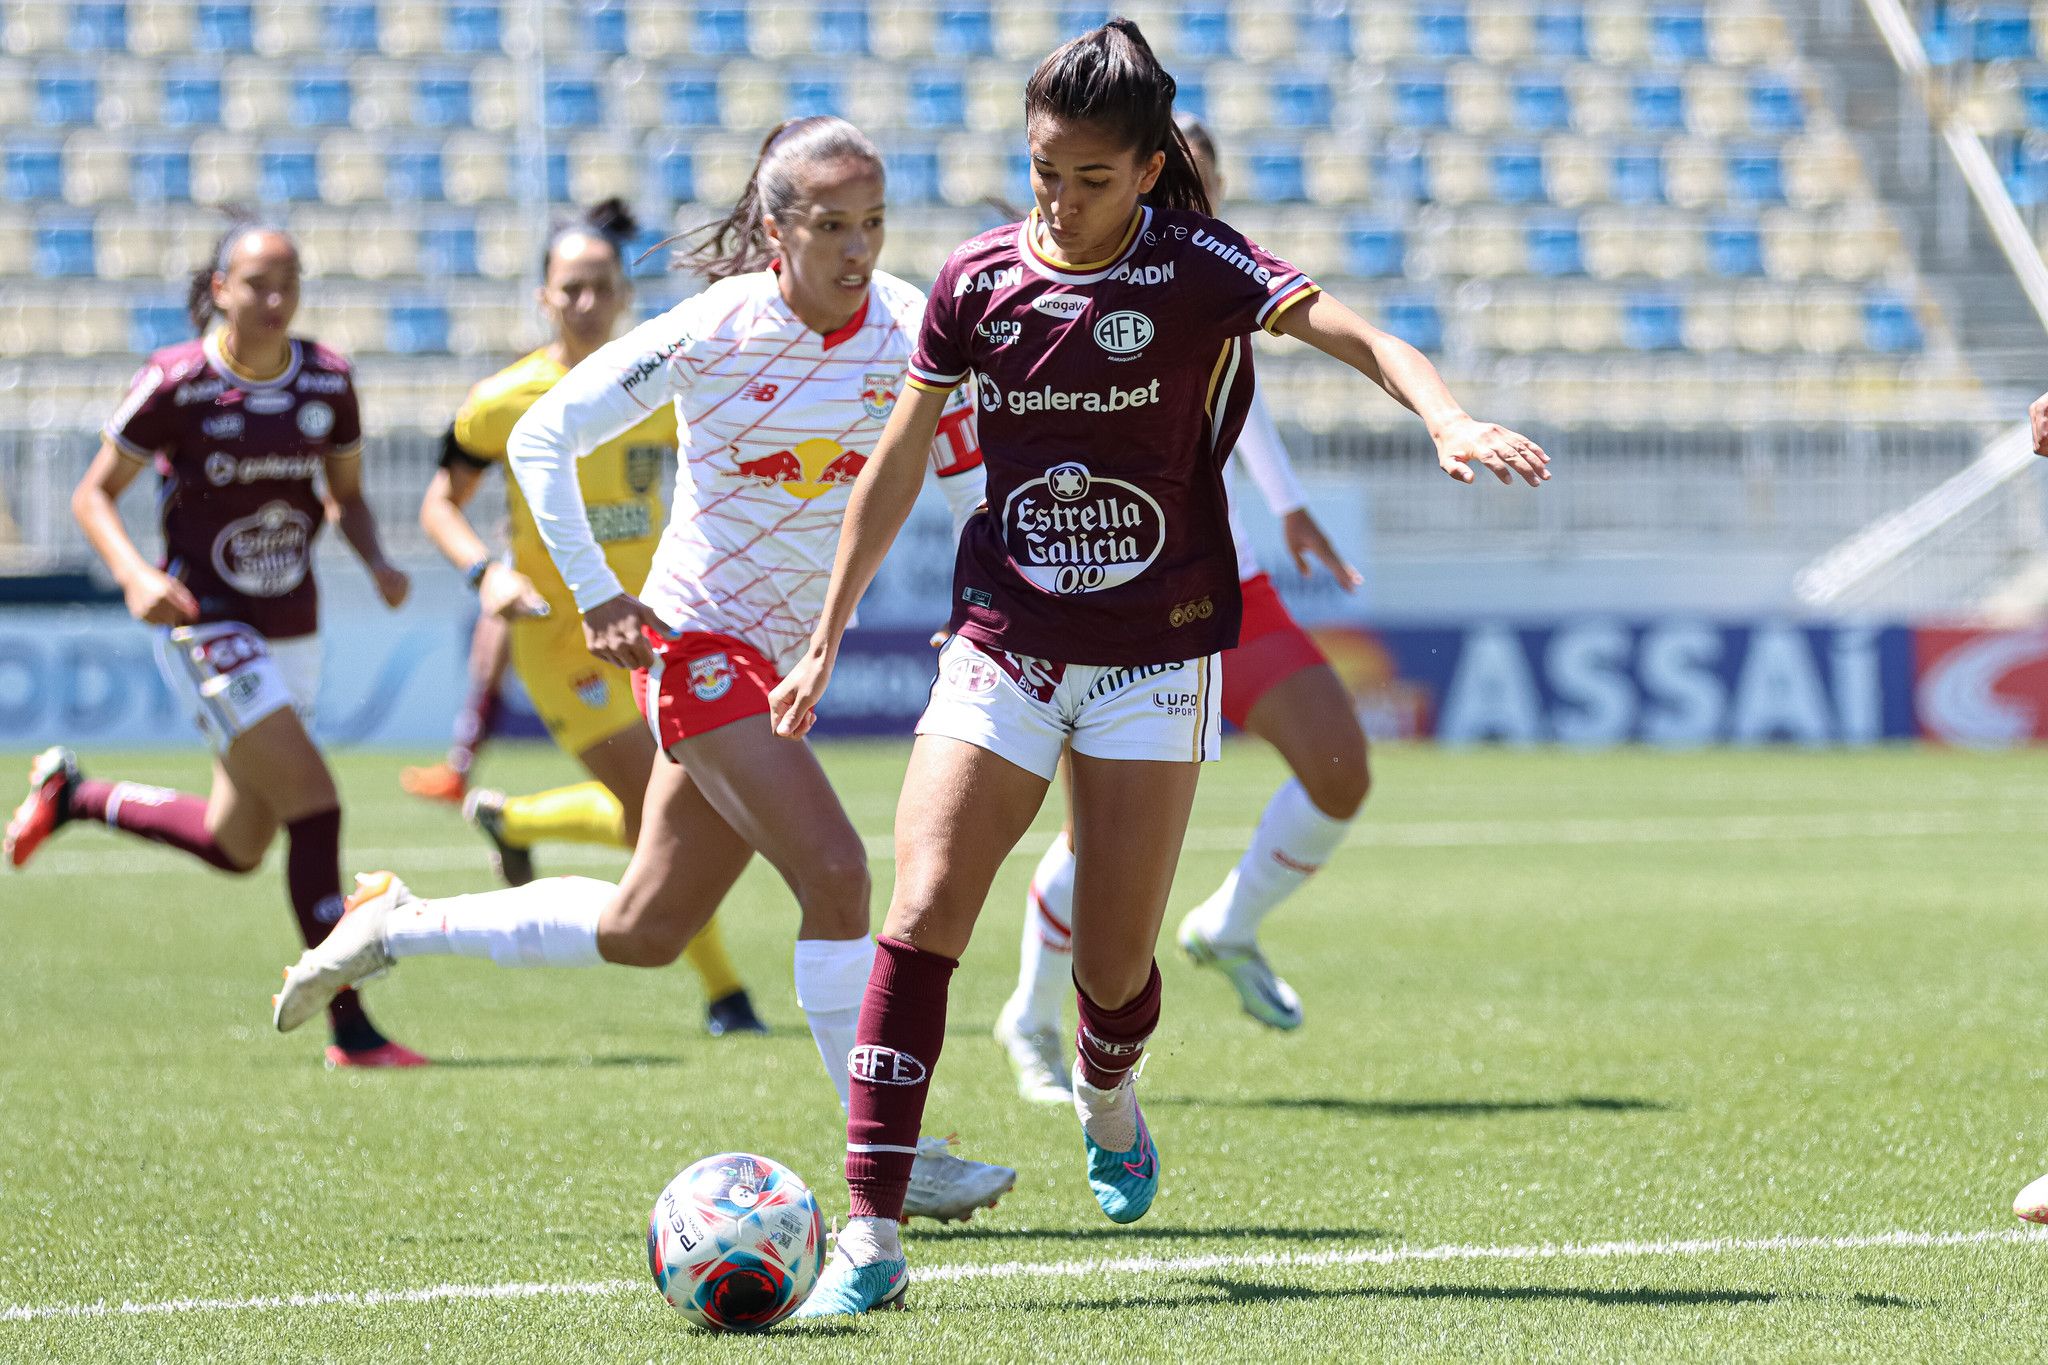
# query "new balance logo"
(759, 392)
(878, 1065)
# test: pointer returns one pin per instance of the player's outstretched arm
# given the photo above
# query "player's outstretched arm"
(359, 526)
(1406, 374)
(153, 596)
(875, 513)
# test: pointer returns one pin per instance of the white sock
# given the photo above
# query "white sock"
(1110, 1116)
(1293, 841)
(864, 1241)
(1045, 958)
(831, 978)
(547, 923)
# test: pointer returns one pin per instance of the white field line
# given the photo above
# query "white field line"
(1370, 833)
(1042, 1270)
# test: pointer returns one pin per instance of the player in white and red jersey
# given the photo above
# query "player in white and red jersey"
(241, 424)
(782, 374)
(1106, 339)
(1276, 685)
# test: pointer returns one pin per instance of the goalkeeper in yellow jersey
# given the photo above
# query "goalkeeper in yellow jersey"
(586, 703)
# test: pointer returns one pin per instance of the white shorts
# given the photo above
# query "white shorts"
(229, 677)
(1025, 709)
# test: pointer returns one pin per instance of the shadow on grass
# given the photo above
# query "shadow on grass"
(563, 1063)
(1419, 1109)
(1240, 1291)
(1148, 1232)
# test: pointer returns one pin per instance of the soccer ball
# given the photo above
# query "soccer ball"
(736, 1242)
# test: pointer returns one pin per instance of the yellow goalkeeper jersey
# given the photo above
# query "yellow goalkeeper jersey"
(620, 479)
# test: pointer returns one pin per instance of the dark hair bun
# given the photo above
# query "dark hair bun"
(612, 218)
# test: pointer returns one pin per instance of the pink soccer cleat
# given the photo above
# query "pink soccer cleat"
(387, 1055)
(50, 780)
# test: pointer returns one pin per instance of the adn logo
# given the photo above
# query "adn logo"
(877, 1065)
(1124, 333)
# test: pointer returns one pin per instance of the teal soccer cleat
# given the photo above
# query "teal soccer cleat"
(845, 1289)
(1125, 1182)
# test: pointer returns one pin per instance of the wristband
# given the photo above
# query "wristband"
(474, 574)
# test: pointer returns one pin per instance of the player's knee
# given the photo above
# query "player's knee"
(835, 883)
(642, 943)
(1113, 985)
(1338, 786)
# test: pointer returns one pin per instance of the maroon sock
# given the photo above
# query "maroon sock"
(312, 874)
(902, 1025)
(1112, 1041)
(157, 814)
(473, 727)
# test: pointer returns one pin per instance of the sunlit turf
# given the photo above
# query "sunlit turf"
(1551, 999)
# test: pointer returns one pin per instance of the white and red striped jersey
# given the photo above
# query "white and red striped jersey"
(1260, 452)
(775, 421)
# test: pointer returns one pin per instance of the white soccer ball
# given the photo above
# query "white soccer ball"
(736, 1242)
(2032, 1202)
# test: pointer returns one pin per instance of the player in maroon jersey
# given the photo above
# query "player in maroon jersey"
(242, 424)
(1106, 336)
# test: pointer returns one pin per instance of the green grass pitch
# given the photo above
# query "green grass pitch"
(1662, 1008)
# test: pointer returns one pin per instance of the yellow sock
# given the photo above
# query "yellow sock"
(583, 814)
(707, 955)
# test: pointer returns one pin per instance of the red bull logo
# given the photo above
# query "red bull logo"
(808, 470)
(711, 676)
(878, 395)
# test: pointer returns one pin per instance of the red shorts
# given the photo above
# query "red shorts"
(1271, 648)
(700, 682)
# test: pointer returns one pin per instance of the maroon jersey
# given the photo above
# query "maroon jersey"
(238, 458)
(1110, 394)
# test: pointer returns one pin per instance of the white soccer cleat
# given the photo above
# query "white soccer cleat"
(946, 1188)
(1037, 1060)
(1264, 996)
(351, 954)
(2032, 1202)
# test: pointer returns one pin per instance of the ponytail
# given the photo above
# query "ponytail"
(609, 220)
(738, 244)
(199, 305)
(1109, 77)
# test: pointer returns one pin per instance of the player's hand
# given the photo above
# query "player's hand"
(157, 599)
(394, 585)
(2037, 417)
(508, 593)
(1306, 542)
(792, 706)
(1469, 441)
(613, 631)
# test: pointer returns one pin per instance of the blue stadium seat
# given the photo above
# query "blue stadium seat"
(558, 178)
(321, 99)
(1400, 171)
(1735, 247)
(1889, 324)
(1421, 102)
(678, 181)
(1518, 175)
(34, 171)
(721, 29)
(64, 98)
(1017, 179)
(153, 326)
(642, 266)
(64, 250)
(2026, 171)
(473, 28)
(1540, 105)
(1652, 322)
(692, 101)
(810, 93)
(1414, 318)
(1076, 17)
(1375, 249)
(2034, 99)
(913, 175)
(412, 175)
(840, 29)
(191, 100)
(99, 26)
(1193, 97)
(1301, 102)
(572, 102)
(1678, 33)
(1775, 107)
(938, 99)
(1442, 31)
(448, 249)
(2001, 33)
(604, 28)
(1326, 31)
(441, 100)
(1946, 36)
(351, 26)
(416, 328)
(223, 26)
(1755, 175)
(964, 30)
(1204, 32)
(1553, 246)
(1559, 32)
(157, 175)
(1657, 105)
(1637, 177)
(291, 174)
(1278, 175)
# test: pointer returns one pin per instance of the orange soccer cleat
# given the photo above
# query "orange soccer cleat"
(436, 783)
(384, 1055)
(50, 780)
